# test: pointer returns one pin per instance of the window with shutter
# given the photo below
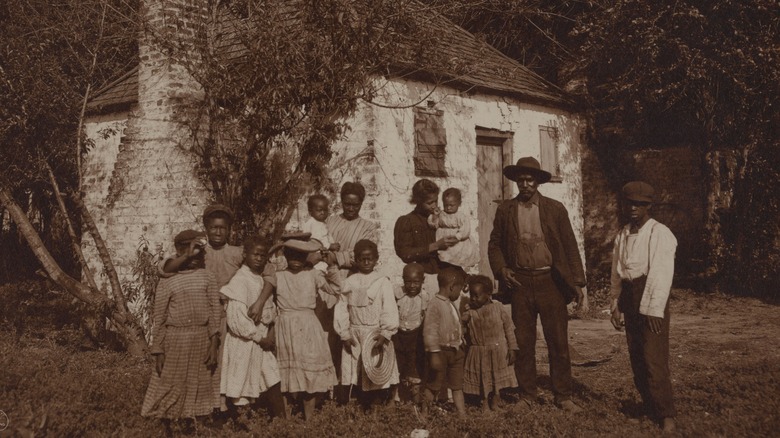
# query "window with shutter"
(430, 140)
(548, 137)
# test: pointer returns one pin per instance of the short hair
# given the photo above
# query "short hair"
(422, 189)
(217, 211)
(450, 275)
(412, 267)
(217, 215)
(483, 280)
(353, 188)
(365, 244)
(314, 198)
(251, 242)
(451, 192)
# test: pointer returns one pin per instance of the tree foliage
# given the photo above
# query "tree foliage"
(706, 75)
(51, 56)
(280, 80)
(668, 73)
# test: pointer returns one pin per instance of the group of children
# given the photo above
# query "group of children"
(230, 327)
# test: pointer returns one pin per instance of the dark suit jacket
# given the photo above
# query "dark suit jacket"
(567, 267)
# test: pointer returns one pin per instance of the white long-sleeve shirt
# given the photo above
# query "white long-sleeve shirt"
(648, 252)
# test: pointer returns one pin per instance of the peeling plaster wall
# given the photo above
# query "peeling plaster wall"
(388, 134)
(106, 132)
(155, 193)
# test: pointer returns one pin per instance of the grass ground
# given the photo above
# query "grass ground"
(725, 367)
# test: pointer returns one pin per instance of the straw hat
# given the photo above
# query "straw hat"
(301, 242)
(379, 367)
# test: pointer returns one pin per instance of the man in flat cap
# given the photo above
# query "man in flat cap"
(642, 271)
(534, 254)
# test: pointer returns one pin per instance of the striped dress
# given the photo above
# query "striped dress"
(347, 234)
(490, 333)
(186, 314)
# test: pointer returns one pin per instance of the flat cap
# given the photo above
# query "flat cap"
(217, 208)
(187, 236)
(638, 191)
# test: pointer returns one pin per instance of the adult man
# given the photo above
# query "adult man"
(642, 271)
(534, 254)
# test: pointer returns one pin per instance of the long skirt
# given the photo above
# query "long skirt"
(302, 352)
(186, 387)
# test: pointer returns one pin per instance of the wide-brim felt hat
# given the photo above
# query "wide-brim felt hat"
(527, 165)
(379, 367)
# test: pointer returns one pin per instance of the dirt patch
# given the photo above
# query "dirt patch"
(724, 360)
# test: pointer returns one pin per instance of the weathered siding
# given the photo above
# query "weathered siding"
(388, 135)
(154, 192)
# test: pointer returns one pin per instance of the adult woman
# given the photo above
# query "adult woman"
(348, 228)
(415, 240)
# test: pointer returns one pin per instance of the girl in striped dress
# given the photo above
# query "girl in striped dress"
(185, 338)
(491, 339)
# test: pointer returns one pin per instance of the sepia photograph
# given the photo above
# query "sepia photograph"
(389, 218)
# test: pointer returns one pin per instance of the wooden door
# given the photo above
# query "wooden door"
(494, 151)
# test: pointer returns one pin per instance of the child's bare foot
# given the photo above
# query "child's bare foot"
(494, 402)
(668, 425)
(485, 406)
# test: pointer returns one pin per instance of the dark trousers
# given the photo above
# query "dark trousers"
(648, 351)
(539, 296)
(409, 353)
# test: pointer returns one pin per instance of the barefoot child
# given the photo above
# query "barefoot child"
(491, 338)
(248, 365)
(366, 311)
(443, 340)
(185, 338)
(452, 222)
(412, 301)
(305, 364)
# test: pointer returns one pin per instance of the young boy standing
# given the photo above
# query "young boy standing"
(642, 271)
(412, 301)
(443, 338)
(185, 339)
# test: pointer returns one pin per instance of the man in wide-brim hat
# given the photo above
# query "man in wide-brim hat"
(535, 256)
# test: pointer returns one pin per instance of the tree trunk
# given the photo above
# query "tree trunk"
(130, 333)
